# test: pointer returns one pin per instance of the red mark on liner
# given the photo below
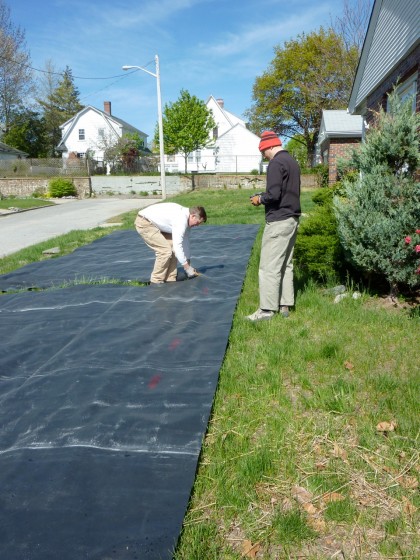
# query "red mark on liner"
(175, 343)
(205, 290)
(154, 382)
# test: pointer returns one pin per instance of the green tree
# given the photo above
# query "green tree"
(125, 149)
(26, 132)
(187, 124)
(379, 211)
(58, 107)
(15, 73)
(308, 74)
(297, 148)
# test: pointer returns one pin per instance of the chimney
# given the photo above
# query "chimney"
(107, 107)
(221, 103)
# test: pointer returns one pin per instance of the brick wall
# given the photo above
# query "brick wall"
(339, 148)
(405, 69)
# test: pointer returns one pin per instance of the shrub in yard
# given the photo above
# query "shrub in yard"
(318, 251)
(57, 188)
(379, 213)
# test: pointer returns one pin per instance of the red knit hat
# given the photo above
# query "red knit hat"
(268, 140)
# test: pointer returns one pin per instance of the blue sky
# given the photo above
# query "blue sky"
(208, 47)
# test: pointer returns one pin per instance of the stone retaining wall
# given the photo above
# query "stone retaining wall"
(139, 186)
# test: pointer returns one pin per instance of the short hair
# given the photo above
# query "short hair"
(199, 212)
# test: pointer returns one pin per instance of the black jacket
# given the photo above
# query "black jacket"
(282, 195)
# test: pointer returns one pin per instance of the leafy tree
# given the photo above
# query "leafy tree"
(26, 132)
(297, 148)
(379, 212)
(59, 106)
(125, 149)
(15, 73)
(308, 74)
(186, 126)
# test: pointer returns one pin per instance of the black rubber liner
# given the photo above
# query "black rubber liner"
(123, 255)
(105, 396)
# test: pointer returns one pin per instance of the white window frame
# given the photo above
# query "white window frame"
(407, 89)
(82, 135)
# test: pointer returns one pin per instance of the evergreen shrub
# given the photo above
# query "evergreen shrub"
(318, 251)
(379, 213)
(58, 188)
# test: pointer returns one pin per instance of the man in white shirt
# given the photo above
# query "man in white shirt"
(165, 228)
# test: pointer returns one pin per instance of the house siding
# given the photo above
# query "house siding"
(397, 33)
(402, 72)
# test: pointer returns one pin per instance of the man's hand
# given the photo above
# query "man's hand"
(255, 200)
(190, 272)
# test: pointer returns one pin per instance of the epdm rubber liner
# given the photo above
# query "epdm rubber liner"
(105, 392)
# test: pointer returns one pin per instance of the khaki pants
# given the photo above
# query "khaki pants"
(165, 268)
(276, 266)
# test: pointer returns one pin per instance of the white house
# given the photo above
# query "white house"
(232, 147)
(93, 130)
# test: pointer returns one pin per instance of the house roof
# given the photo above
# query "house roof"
(106, 116)
(4, 148)
(339, 124)
(393, 32)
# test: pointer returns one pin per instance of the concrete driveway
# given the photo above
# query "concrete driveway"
(23, 229)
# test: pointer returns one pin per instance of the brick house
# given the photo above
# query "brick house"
(339, 133)
(390, 56)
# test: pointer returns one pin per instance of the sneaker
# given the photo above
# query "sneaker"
(284, 311)
(260, 315)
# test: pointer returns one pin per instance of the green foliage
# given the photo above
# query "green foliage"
(296, 146)
(57, 188)
(187, 124)
(318, 251)
(321, 172)
(308, 74)
(126, 150)
(59, 106)
(26, 132)
(379, 211)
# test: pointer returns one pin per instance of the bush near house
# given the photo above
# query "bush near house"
(318, 251)
(58, 188)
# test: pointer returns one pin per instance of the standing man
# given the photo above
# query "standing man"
(282, 210)
(165, 228)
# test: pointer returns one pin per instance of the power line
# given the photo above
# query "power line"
(75, 77)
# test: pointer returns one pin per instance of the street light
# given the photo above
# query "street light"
(159, 102)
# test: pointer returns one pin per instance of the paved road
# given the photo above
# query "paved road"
(22, 229)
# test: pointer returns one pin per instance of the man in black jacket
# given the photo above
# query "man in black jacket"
(282, 210)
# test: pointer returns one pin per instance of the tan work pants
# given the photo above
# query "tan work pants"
(276, 264)
(165, 268)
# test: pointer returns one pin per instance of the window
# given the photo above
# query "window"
(101, 133)
(215, 133)
(170, 159)
(81, 133)
(198, 156)
(407, 89)
(190, 158)
(81, 155)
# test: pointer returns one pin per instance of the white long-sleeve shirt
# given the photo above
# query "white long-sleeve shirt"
(172, 218)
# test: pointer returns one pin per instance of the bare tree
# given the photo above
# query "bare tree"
(353, 22)
(15, 73)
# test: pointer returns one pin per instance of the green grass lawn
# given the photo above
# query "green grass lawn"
(23, 203)
(312, 450)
